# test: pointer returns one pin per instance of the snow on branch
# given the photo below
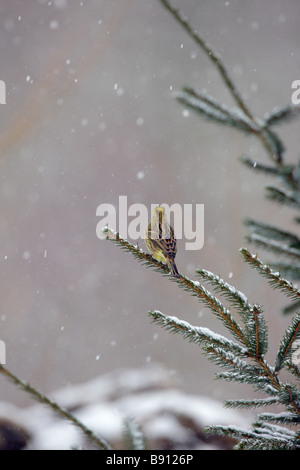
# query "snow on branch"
(274, 278)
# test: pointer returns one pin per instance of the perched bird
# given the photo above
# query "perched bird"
(160, 239)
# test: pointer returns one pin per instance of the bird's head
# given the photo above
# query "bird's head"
(159, 211)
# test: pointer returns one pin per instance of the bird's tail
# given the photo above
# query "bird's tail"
(173, 268)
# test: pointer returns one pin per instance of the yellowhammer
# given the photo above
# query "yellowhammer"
(160, 239)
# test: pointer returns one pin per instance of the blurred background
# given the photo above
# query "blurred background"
(90, 116)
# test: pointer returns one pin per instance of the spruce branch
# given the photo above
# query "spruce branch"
(214, 305)
(221, 350)
(143, 257)
(274, 278)
(256, 332)
(281, 115)
(211, 54)
(273, 145)
(230, 292)
(133, 436)
(260, 437)
(254, 377)
(291, 308)
(212, 110)
(260, 167)
(236, 114)
(291, 271)
(40, 397)
(242, 358)
(268, 138)
(269, 231)
(273, 246)
(227, 354)
(255, 403)
(293, 368)
(290, 397)
(196, 334)
(283, 197)
(193, 287)
(287, 418)
(282, 243)
(240, 370)
(286, 345)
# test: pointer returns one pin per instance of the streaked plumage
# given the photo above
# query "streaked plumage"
(160, 239)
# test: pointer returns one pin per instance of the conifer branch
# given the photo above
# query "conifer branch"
(269, 139)
(240, 371)
(287, 418)
(291, 271)
(291, 308)
(254, 377)
(273, 246)
(273, 277)
(260, 167)
(286, 345)
(261, 437)
(216, 60)
(255, 403)
(280, 242)
(194, 287)
(215, 111)
(196, 334)
(133, 437)
(283, 197)
(220, 349)
(230, 292)
(273, 145)
(229, 355)
(256, 332)
(143, 257)
(214, 305)
(281, 115)
(198, 97)
(293, 369)
(40, 397)
(243, 361)
(269, 231)
(290, 396)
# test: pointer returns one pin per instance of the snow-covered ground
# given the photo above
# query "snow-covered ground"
(169, 417)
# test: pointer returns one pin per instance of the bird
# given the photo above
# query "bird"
(161, 241)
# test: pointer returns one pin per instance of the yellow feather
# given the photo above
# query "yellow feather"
(160, 239)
